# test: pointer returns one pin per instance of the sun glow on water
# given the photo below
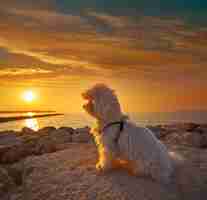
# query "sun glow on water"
(32, 124)
(30, 114)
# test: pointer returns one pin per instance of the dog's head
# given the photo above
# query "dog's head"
(102, 103)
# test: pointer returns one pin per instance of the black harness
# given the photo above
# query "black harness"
(121, 127)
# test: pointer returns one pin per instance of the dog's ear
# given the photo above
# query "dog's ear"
(103, 106)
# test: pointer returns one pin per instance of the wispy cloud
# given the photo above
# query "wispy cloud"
(21, 71)
(94, 43)
(161, 58)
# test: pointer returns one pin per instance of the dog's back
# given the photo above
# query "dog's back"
(140, 143)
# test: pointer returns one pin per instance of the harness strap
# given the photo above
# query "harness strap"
(121, 127)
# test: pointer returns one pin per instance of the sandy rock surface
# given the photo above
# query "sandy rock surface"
(191, 175)
(56, 164)
(70, 174)
(6, 183)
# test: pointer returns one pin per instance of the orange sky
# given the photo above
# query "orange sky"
(154, 63)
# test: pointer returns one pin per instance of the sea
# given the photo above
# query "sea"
(78, 120)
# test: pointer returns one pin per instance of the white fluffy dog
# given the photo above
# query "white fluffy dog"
(122, 143)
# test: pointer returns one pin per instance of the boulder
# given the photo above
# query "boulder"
(202, 129)
(159, 131)
(203, 143)
(45, 144)
(46, 130)
(16, 152)
(9, 138)
(27, 130)
(67, 129)
(193, 139)
(180, 127)
(12, 154)
(17, 194)
(82, 130)
(15, 171)
(6, 183)
(53, 141)
(61, 136)
(190, 127)
(25, 145)
(29, 144)
(82, 138)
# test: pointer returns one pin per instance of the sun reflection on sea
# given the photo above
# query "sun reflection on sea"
(30, 114)
(32, 123)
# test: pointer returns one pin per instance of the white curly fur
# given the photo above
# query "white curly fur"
(137, 148)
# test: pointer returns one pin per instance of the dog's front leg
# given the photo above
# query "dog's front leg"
(105, 161)
(106, 154)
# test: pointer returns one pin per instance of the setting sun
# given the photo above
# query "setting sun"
(29, 96)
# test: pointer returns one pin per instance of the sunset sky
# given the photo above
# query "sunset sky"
(153, 52)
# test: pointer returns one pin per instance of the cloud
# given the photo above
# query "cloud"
(104, 22)
(21, 71)
(100, 44)
(28, 4)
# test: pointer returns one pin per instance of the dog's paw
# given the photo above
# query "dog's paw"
(98, 167)
(102, 169)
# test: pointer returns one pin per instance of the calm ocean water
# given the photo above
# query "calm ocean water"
(81, 120)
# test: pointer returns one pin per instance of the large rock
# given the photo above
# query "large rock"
(9, 138)
(46, 130)
(71, 174)
(53, 141)
(12, 153)
(27, 130)
(15, 152)
(67, 129)
(82, 135)
(193, 139)
(45, 144)
(61, 135)
(15, 171)
(82, 130)
(81, 138)
(49, 140)
(180, 127)
(6, 183)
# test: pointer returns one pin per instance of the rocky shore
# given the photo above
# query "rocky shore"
(58, 163)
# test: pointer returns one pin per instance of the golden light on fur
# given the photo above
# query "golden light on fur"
(132, 147)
